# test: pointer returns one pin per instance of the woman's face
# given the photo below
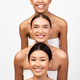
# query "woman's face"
(40, 6)
(39, 63)
(41, 30)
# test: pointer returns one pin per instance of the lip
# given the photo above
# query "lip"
(40, 6)
(40, 36)
(38, 69)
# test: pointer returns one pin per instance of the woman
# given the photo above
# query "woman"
(40, 59)
(58, 37)
(41, 29)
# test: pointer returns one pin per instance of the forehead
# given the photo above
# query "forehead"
(40, 20)
(39, 53)
(42, 0)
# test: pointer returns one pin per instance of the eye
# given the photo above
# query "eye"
(42, 59)
(35, 27)
(45, 27)
(32, 59)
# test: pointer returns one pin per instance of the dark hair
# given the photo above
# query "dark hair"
(43, 47)
(43, 16)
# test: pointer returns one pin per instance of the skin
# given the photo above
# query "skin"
(41, 34)
(59, 25)
(39, 60)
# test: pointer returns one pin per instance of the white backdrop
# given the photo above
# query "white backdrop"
(13, 12)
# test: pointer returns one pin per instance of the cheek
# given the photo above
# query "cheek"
(33, 31)
(34, 1)
(47, 1)
(47, 32)
(45, 64)
(31, 64)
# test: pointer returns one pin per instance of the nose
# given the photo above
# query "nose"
(37, 63)
(40, 1)
(40, 30)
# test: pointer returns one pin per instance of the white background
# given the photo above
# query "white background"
(13, 12)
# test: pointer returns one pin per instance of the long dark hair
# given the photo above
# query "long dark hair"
(43, 47)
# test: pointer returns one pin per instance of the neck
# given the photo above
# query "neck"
(47, 13)
(43, 77)
(42, 42)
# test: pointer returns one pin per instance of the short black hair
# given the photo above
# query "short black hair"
(43, 47)
(43, 16)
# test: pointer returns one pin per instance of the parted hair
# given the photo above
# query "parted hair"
(43, 16)
(43, 47)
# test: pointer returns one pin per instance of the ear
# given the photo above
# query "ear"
(31, 1)
(28, 60)
(50, 1)
(51, 31)
(50, 63)
(30, 30)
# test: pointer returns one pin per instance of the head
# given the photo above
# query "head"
(40, 6)
(41, 27)
(40, 59)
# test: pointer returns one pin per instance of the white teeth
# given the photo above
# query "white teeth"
(37, 69)
(40, 36)
(40, 6)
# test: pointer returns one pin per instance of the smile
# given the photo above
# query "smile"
(40, 6)
(40, 36)
(38, 70)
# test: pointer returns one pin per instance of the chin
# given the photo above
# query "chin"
(38, 74)
(40, 41)
(40, 11)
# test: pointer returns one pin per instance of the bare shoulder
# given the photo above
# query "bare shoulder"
(61, 54)
(25, 24)
(21, 55)
(59, 21)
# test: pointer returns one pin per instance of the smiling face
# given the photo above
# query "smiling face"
(41, 29)
(39, 63)
(40, 6)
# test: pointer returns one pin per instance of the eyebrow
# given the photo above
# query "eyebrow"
(45, 25)
(38, 25)
(43, 57)
(40, 57)
(33, 57)
(35, 25)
